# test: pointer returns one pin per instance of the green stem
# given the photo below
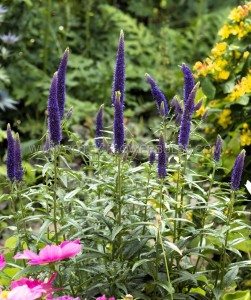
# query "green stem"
(223, 255)
(204, 215)
(176, 202)
(147, 195)
(166, 263)
(119, 199)
(46, 35)
(23, 213)
(55, 193)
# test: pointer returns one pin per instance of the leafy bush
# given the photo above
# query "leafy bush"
(225, 79)
(155, 230)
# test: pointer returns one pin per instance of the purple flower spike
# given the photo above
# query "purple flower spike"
(188, 81)
(99, 128)
(237, 171)
(186, 119)
(161, 157)
(158, 96)
(152, 157)
(10, 161)
(218, 147)
(53, 114)
(198, 105)
(61, 82)
(118, 126)
(18, 160)
(119, 71)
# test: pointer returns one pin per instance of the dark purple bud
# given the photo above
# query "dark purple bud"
(186, 119)
(204, 116)
(178, 119)
(61, 83)
(69, 113)
(118, 126)
(161, 157)
(10, 161)
(188, 81)
(162, 109)
(152, 157)
(47, 144)
(237, 171)
(99, 128)
(218, 147)
(119, 71)
(198, 105)
(18, 160)
(158, 96)
(177, 106)
(53, 114)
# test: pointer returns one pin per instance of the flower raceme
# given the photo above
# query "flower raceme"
(51, 253)
(119, 71)
(237, 171)
(99, 128)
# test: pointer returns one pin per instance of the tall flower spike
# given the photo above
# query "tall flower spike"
(61, 82)
(118, 126)
(237, 171)
(10, 161)
(161, 157)
(188, 81)
(158, 96)
(152, 157)
(217, 149)
(186, 119)
(119, 71)
(18, 159)
(53, 114)
(99, 128)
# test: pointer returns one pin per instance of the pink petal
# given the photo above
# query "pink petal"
(27, 254)
(67, 242)
(50, 253)
(2, 261)
(71, 249)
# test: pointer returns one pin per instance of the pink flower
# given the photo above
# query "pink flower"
(65, 298)
(104, 298)
(2, 261)
(24, 292)
(38, 287)
(51, 253)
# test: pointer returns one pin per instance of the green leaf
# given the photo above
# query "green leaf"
(230, 276)
(238, 295)
(208, 88)
(141, 262)
(116, 231)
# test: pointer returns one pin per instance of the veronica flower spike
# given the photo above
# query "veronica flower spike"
(218, 147)
(61, 82)
(119, 71)
(188, 81)
(158, 96)
(99, 128)
(10, 161)
(237, 171)
(161, 157)
(18, 159)
(118, 125)
(186, 119)
(53, 114)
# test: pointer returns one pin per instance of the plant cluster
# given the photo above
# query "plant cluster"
(226, 81)
(114, 221)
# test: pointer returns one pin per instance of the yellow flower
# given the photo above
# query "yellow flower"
(223, 75)
(238, 13)
(201, 111)
(4, 295)
(219, 49)
(245, 135)
(225, 118)
(245, 54)
(225, 31)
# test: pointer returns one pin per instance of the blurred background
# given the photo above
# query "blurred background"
(159, 37)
